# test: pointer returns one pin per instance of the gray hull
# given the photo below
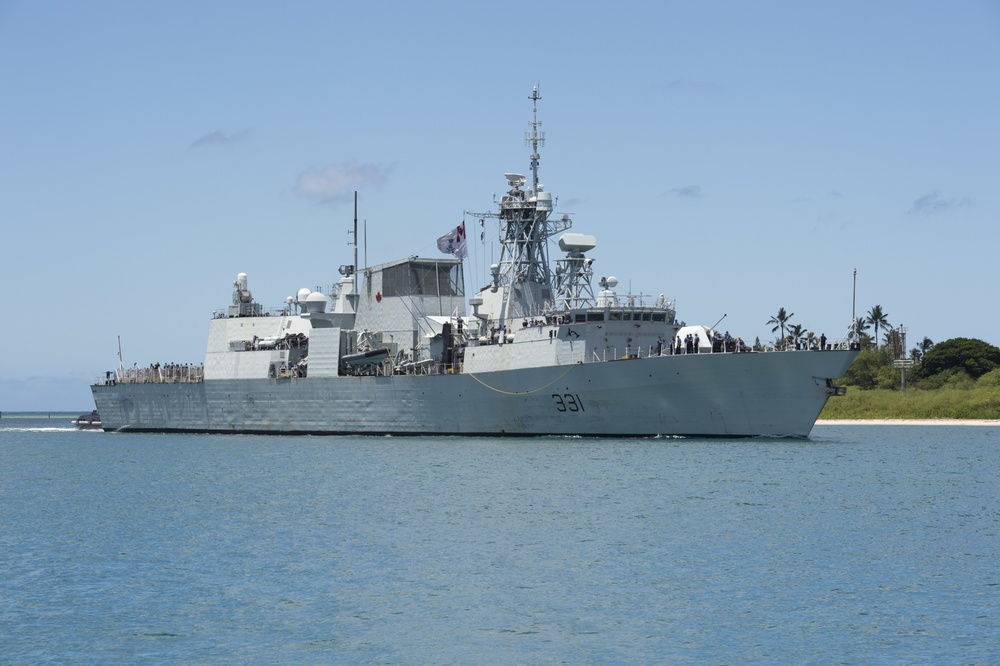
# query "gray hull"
(730, 395)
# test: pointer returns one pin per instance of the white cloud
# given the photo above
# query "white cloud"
(335, 184)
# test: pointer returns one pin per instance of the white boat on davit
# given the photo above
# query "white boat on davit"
(397, 353)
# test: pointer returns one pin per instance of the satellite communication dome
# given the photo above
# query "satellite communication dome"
(315, 302)
(302, 294)
(544, 200)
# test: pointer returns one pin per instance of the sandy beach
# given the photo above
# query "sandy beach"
(920, 422)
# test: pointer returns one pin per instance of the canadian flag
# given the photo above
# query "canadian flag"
(453, 242)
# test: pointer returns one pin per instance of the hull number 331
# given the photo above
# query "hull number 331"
(568, 402)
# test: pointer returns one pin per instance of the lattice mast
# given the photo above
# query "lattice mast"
(524, 271)
(522, 275)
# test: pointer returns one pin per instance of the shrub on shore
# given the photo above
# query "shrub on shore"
(957, 379)
(948, 402)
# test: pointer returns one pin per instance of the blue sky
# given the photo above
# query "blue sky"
(738, 157)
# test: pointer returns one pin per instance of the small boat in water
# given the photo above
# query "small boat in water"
(91, 421)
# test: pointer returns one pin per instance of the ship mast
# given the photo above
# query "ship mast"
(522, 279)
(535, 139)
(523, 272)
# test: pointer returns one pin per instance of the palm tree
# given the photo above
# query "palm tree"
(780, 320)
(878, 318)
(918, 352)
(925, 345)
(795, 333)
(858, 328)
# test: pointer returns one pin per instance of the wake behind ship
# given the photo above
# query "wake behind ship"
(396, 352)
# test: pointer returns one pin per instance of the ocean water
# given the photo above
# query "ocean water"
(862, 545)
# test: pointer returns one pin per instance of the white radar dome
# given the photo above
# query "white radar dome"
(302, 294)
(315, 302)
(544, 199)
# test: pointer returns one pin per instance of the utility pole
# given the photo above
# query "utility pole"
(899, 356)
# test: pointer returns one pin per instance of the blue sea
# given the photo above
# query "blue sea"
(862, 545)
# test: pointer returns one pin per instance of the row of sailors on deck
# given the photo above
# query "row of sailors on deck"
(157, 374)
(727, 343)
(690, 344)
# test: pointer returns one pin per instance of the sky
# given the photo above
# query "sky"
(737, 157)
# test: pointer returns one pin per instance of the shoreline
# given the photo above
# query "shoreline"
(919, 422)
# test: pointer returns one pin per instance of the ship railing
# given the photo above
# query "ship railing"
(565, 305)
(269, 312)
(170, 373)
(734, 346)
(813, 344)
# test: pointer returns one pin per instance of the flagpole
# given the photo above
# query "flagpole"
(465, 281)
(356, 242)
(854, 298)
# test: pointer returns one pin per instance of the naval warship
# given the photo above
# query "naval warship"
(392, 350)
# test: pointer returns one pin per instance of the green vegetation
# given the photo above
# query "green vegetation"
(978, 402)
(975, 357)
(956, 379)
(877, 318)
(780, 321)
